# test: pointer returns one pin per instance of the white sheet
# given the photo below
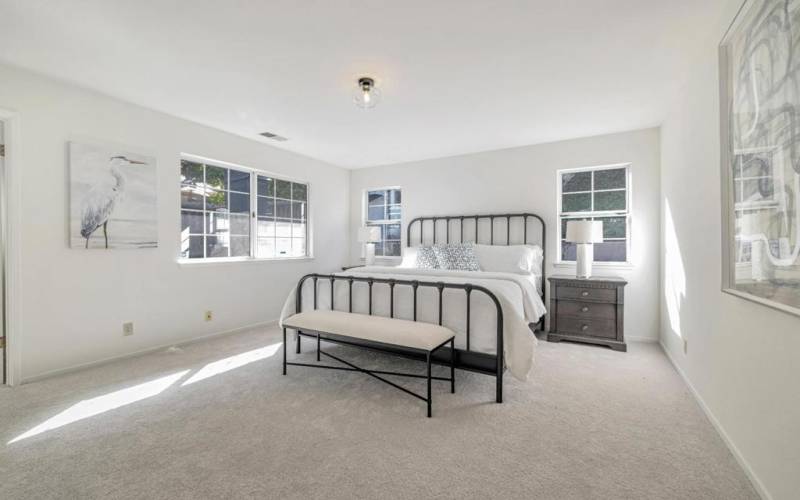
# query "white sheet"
(518, 296)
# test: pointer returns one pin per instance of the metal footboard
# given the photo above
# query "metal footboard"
(465, 358)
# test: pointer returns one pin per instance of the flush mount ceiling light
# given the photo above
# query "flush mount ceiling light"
(366, 95)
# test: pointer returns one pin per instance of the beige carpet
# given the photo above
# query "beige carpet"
(590, 423)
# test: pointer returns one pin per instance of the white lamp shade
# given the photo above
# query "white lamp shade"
(369, 234)
(585, 231)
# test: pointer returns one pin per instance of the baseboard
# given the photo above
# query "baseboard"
(185, 342)
(757, 485)
(633, 338)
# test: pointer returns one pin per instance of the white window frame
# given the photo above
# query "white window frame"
(254, 173)
(365, 214)
(628, 213)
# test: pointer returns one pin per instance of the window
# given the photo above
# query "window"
(384, 210)
(235, 212)
(601, 194)
(282, 218)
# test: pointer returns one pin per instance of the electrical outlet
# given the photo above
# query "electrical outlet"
(127, 328)
(209, 315)
(685, 346)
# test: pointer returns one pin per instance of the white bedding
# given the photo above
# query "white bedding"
(517, 294)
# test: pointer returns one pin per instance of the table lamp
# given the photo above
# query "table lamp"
(369, 235)
(584, 233)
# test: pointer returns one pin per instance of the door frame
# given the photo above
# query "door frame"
(12, 198)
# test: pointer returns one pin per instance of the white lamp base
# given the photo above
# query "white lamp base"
(369, 254)
(583, 264)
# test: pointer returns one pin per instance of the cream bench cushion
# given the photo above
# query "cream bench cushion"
(399, 332)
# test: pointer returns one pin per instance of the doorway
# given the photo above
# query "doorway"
(10, 302)
(3, 355)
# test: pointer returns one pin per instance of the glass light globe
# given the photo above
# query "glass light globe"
(366, 95)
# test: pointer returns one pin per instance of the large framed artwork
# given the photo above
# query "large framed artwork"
(112, 198)
(760, 138)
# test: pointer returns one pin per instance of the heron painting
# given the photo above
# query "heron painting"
(112, 198)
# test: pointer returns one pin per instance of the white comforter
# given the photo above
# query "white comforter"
(517, 294)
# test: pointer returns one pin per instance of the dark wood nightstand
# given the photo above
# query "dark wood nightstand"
(588, 310)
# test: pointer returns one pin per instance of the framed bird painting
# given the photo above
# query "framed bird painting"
(113, 201)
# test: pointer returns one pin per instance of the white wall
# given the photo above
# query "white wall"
(743, 359)
(74, 301)
(524, 180)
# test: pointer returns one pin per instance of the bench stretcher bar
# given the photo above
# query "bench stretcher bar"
(377, 373)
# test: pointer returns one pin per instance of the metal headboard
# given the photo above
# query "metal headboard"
(460, 236)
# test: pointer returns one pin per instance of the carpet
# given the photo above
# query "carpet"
(216, 419)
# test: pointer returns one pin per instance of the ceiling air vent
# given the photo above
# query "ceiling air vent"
(274, 137)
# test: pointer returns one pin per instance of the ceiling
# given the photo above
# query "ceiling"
(457, 76)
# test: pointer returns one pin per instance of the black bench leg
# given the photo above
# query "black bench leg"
(284, 351)
(429, 385)
(453, 366)
(500, 386)
(318, 347)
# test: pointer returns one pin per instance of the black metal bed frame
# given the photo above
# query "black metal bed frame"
(540, 326)
(477, 218)
(465, 359)
(493, 364)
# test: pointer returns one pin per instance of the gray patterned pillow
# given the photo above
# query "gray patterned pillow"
(442, 255)
(426, 258)
(457, 256)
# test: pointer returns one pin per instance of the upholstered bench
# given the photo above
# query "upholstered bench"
(390, 332)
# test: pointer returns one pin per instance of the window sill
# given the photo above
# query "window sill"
(227, 261)
(601, 265)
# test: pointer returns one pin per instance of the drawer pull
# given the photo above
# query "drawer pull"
(584, 309)
(584, 293)
(584, 328)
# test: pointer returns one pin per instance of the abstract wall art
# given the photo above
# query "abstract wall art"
(760, 138)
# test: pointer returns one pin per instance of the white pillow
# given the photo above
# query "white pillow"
(409, 257)
(518, 259)
(538, 258)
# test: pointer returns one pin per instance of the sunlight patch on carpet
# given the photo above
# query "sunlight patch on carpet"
(233, 362)
(101, 404)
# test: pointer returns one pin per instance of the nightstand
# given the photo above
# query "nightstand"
(588, 310)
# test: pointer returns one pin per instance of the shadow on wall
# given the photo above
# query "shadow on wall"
(674, 273)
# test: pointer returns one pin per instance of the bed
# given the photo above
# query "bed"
(494, 312)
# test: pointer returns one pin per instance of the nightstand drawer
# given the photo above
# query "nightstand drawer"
(587, 309)
(587, 327)
(594, 294)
